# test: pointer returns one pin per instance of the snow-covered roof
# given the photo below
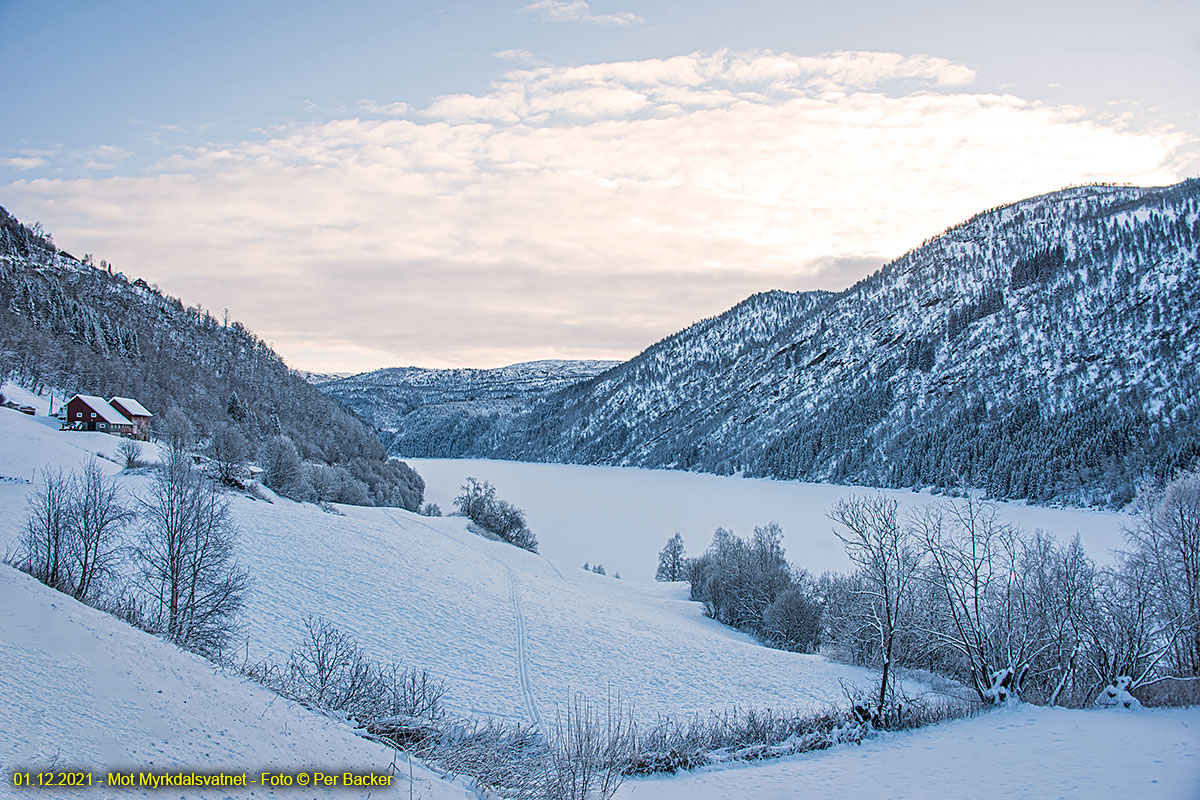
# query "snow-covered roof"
(132, 406)
(102, 408)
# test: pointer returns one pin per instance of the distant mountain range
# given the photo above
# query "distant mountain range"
(414, 406)
(1044, 350)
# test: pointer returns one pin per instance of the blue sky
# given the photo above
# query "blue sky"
(472, 183)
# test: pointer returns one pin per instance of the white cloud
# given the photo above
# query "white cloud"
(587, 210)
(521, 56)
(383, 109)
(578, 11)
(24, 162)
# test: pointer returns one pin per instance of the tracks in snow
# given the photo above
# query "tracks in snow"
(514, 594)
(522, 661)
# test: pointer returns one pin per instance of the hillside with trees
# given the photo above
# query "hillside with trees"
(75, 326)
(1044, 350)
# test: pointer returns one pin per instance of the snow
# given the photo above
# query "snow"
(622, 516)
(82, 690)
(26, 446)
(513, 634)
(132, 406)
(1026, 752)
(40, 402)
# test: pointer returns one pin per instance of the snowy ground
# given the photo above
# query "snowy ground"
(512, 633)
(621, 517)
(82, 690)
(1028, 752)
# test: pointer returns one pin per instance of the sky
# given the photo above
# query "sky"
(449, 184)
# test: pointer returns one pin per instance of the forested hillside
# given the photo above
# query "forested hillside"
(73, 326)
(1044, 350)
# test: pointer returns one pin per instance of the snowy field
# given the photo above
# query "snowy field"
(83, 690)
(621, 516)
(1028, 752)
(513, 634)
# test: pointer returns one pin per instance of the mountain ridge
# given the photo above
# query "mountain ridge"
(1038, 350)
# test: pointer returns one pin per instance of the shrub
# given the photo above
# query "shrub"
(130, 453)
(478, 502)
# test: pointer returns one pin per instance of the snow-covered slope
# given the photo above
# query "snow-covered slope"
(513, 634)
(81, 690)
(1034, 753)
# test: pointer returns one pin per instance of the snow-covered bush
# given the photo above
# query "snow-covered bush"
(1116, 695)
(131, 453)
(478, 502)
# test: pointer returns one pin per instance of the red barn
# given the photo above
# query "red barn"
(86, 412)
(136, 413)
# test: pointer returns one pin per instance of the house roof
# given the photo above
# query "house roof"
(102, 409)
(132, 406)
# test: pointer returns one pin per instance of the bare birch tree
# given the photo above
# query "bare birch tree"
(186, 554)
(98, 518)
(883, 552)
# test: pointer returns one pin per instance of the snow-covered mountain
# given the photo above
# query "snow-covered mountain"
(1044, 349)
(414, 405)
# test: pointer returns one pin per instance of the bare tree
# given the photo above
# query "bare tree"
(975, 564)
(176, 430)
(187, 560)
(131, 452)
(229, 450)
(883, 552)
(73, 530)
(44, 548)
(98, 517)
(1165, 537)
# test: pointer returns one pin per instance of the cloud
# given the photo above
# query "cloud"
(383, 109)
(521, 56)
(578, 11)
(24, 162)
(587, 210)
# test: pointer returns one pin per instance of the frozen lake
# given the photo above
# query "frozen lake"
(621, 516)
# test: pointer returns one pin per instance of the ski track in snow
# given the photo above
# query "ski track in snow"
(522, 662)
(514, 590)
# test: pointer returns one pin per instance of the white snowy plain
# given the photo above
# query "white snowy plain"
(621, 516)
(513, 634)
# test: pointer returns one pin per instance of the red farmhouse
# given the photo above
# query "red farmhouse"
(86, 412)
